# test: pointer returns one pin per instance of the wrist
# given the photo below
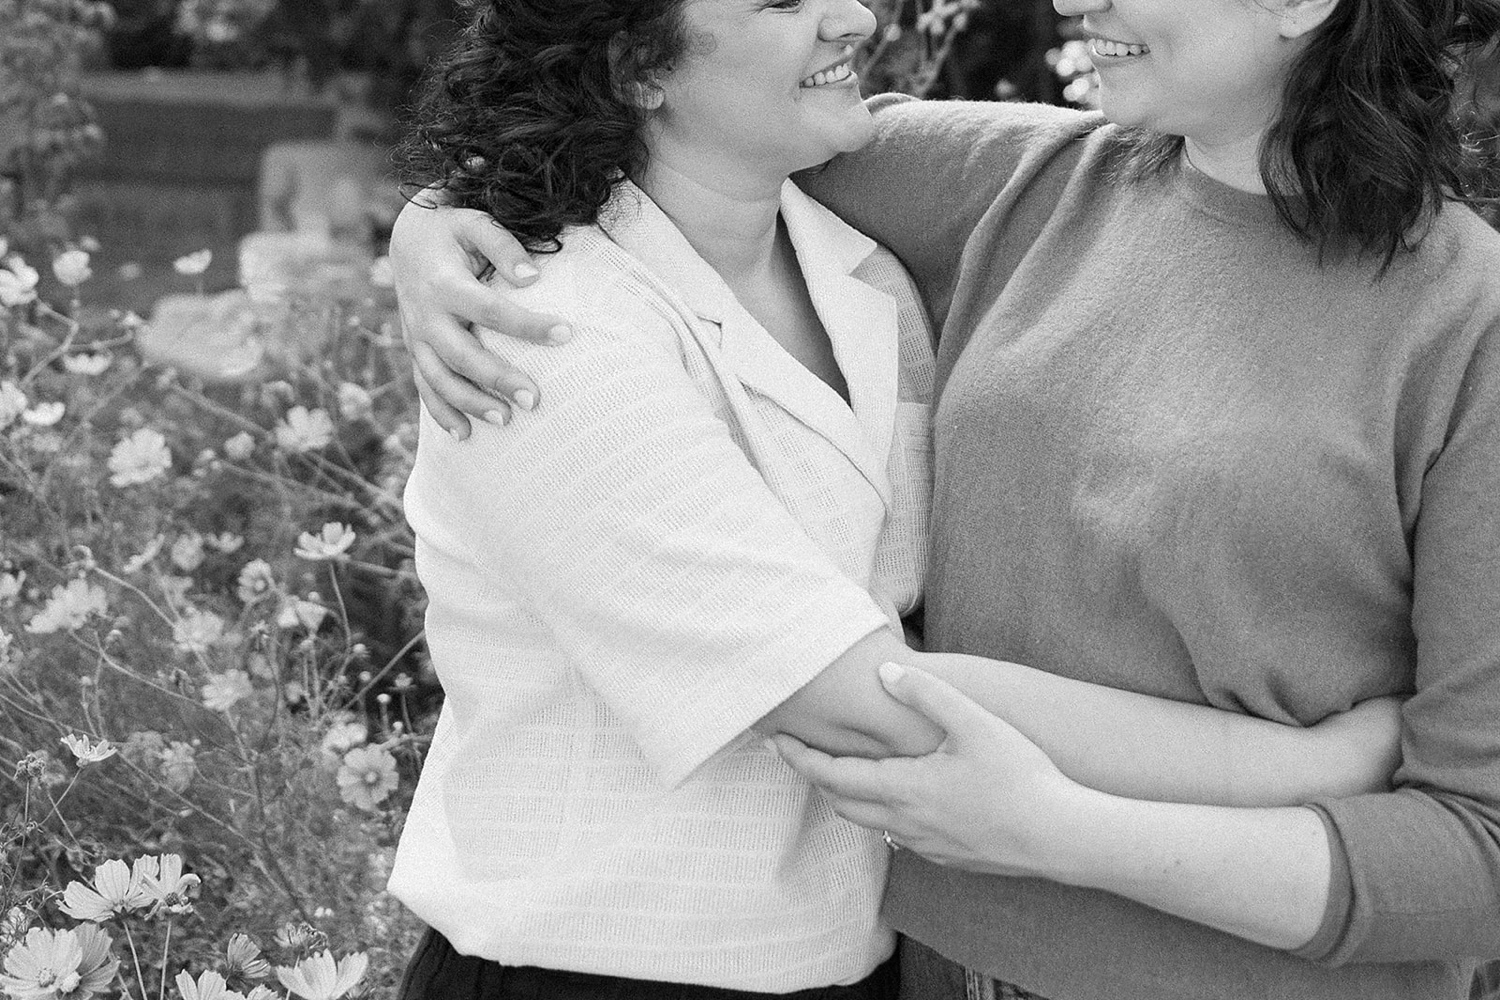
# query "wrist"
(1067, 824)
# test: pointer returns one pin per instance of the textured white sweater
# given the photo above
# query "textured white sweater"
(688, 529)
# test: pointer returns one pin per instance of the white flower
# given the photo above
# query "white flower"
(367, 777)
(304, 429)
(318, 978)
(210, 986)
(226, 542)
(166, 886)
(72, 268)
(13, 403)
(17, 282)
(140, 458)
(330, 543)
(256, 580)
(86, 364)
(60, 965)
(194, 263)
(354, 402)
(45, 414)
(223, 691)
(135, 563)
(10, 586)
(262, 992)
(116, 889)
(187, 552)
(295, 611)
(68, 608)
(244, 958)
(345, 736)
(197, 630)
(87, 753)
(381, 275)
(240, 447)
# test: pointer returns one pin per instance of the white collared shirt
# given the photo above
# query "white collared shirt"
(688, 529)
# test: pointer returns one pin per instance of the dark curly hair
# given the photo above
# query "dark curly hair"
(531, 116)
(1370, 139)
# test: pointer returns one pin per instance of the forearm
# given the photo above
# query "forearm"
(1144, 747)
(1260, 874)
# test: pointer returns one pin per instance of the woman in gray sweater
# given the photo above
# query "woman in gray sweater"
(1218, 420)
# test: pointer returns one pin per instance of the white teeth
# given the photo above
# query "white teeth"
(823, 77)
(1112, 49)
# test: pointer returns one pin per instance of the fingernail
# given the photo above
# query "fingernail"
(770, 744)
(891, 674)
(525, 271)
(524, 398)
(496, 417)
(561, 333)
(457, 433)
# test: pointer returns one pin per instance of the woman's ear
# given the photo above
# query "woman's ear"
(646, 96)
(1299, 17)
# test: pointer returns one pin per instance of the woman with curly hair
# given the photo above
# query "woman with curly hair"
(711, 526)
(1217, 420)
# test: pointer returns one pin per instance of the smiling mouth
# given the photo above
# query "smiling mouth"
(1108, 48)
(826, 77)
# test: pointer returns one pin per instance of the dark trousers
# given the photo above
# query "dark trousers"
(437, 972)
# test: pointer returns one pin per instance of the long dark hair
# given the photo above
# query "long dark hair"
(532, 116)
(1370, 140)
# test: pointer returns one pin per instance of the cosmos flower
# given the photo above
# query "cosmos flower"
(60, 965)
(304, 430)
(355, 402)
(45, 414)
(244, 958)
(17, 282)
(68, 608)
(197, 630)
(187, 551)
(179, 763)
(87, 364)
(367, 777)
(240, 447)
(116, 890)
(87, 753)
(140, 458)
(256, 581)
(330, 543)
(167, 888)
(210, 986)
(317, 977)
(72, 268)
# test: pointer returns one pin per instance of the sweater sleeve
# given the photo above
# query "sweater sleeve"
(1417, 871)
(934, 170)
(626, 519)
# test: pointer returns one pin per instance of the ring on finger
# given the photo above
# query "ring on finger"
(890, 841)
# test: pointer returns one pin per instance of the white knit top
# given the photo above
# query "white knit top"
(689, 528)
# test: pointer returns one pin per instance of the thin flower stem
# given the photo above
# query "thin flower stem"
(338, 595)
(166, 947)
(135, 958)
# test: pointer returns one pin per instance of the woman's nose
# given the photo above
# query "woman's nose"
(848, 21)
